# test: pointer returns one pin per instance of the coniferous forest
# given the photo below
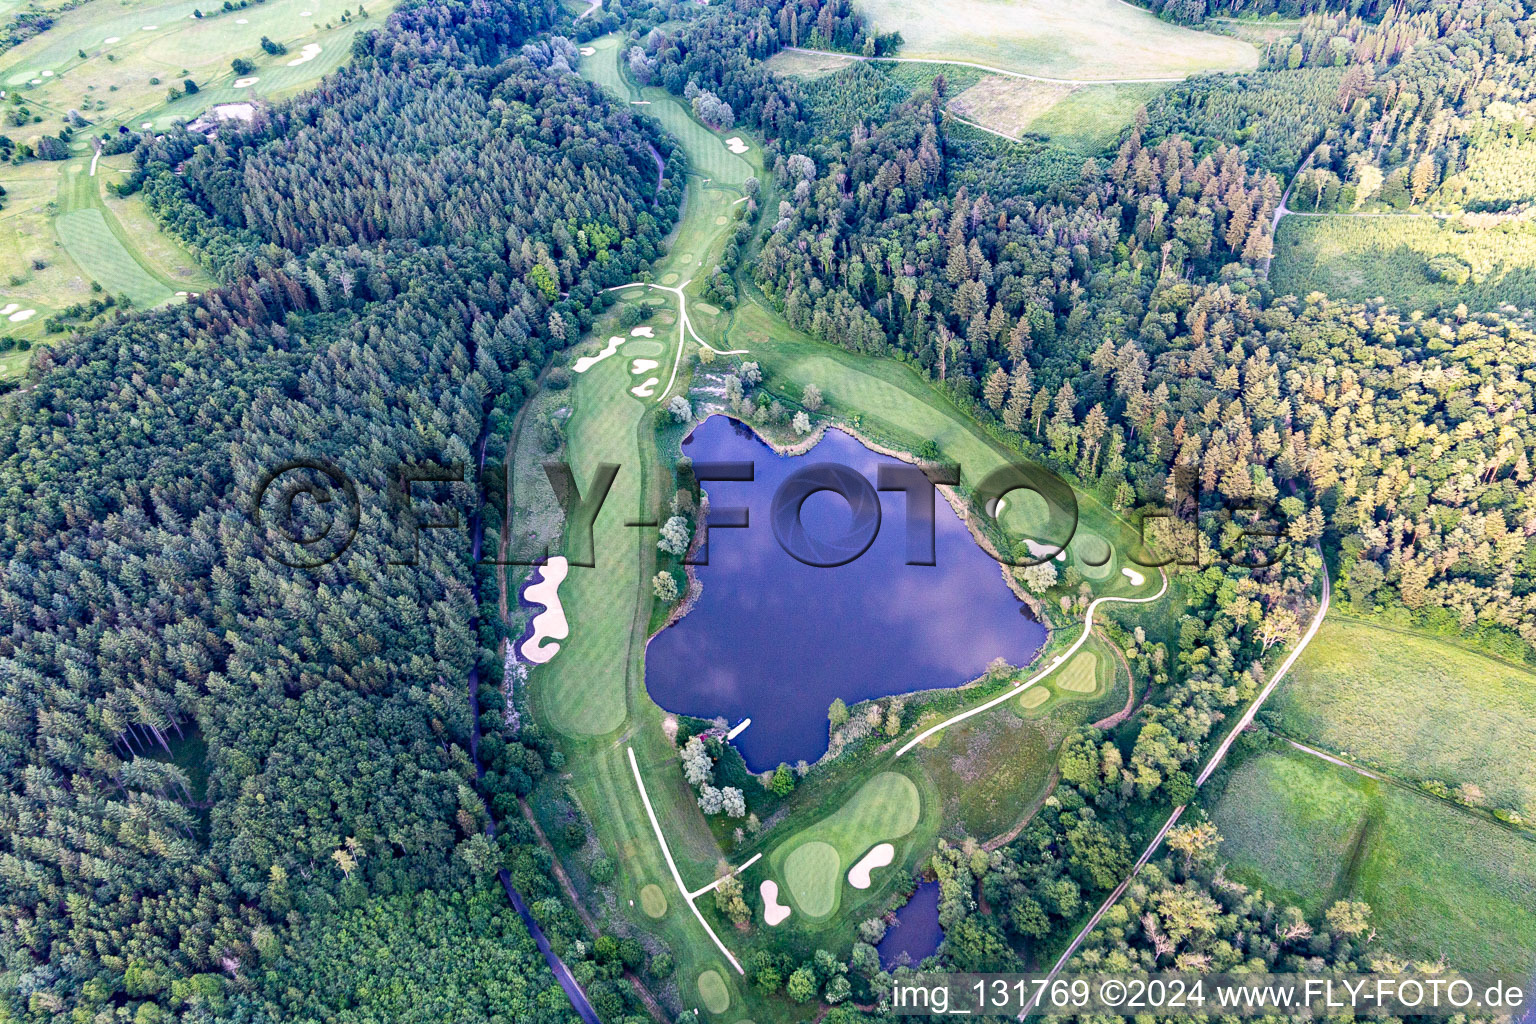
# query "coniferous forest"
(403, 248)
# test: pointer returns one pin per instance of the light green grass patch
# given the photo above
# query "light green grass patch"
(101, 256)
(643, 347)
(1034, 696)
(806, 65)
(1093, 556)
(1008, 105)
(1417, 708)
(1357, 258)
(1088, 39)
(712, 990)
(1090, 117)
(653, 901)
(1440, 881)
(812, 871)
(1080, 675)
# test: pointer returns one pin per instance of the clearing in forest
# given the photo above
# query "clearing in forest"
(1440, 881)
(1456, 717)
(1083, 118)
(1414, 262)
(1093, 40)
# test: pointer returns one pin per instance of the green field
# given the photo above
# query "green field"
(814, 860)
(1440, 881)
(1363, 257)
(1415, 708)
(1080, 675)
(712, 990)
(1089, 39)
(1085, 118)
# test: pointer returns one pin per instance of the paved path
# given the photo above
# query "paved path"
(666, 851)
(1061, 659)
(684, 329)
(1178, 812)
(987, 68)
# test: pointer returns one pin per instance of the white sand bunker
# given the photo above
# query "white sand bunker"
(246, 83)
(645, 390)
(309, 53)
(642, 332)
(639, 103)
(149, 28)
(242, 21)
(9, 308)
(587, 51)
(639, 366)
(305, 14)
(47, 74)
(36, 81)
(879, 857)
(735, 145)
(111, 39)
(1136, 578)
(774, 912)
(25, 314)
(586, 363)
(549, 624)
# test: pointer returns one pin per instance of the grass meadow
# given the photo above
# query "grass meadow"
(1441, 882)
(1089, 39)
(1415, 708)
(1356, 257)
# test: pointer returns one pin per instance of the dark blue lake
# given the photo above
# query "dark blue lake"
(776, 640)
(916, 933)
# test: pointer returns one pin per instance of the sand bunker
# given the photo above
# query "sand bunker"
(149, 28)
(735, 145)
(640, 366)
(309, 53)
(1136, 578)
(774, 912)
(36, 81)
(147, 124)
(639, 103)
(586, 363)
(642, 332)
(645, 390)
(23, 315)
(9, 308)
(879, 857)
(549, 624)
(111, 39)
(47, 74)
(305, 14)
(242, 21)
(587, 51)
(246, 83)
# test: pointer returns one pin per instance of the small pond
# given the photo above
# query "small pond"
(916, 933)
(776, 640)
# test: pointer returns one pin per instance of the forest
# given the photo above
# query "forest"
(219, 769)
(240, 789)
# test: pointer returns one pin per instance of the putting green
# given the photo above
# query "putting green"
(1034, 697)
(712, 990)
(653, 901)
(643, 348)
(813, 860)
(1080, 675)
(706, 308)
(1090, 548)
(669, 278)
(813, 870)
(720, 220)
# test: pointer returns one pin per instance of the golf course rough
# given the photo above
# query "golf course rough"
(814, 860)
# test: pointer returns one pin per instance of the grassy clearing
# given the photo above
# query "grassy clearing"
(653, 901)
(1091, 39)
(1086, 118)
(812, 861)
(806, 65)
(1008, 105)
(1440, 881)
(1353, 257)
(1090, 117)
(1415, 708)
